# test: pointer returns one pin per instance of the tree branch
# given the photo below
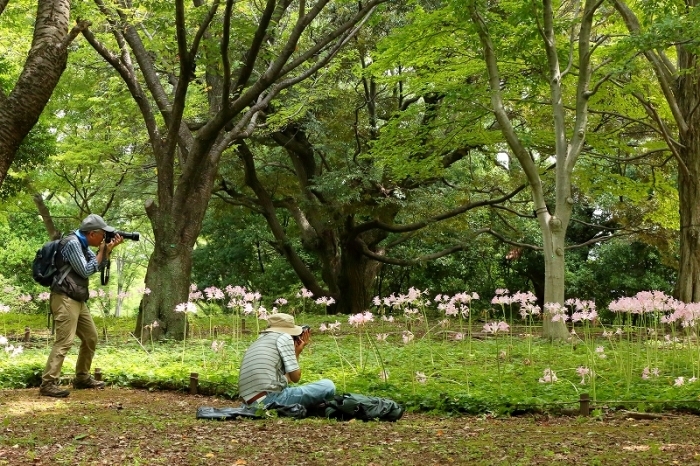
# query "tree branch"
(419, 260)
(445, 215)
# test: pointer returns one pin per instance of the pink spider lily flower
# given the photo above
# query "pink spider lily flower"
(361, 318)
(44, 296)
(679, 381)
(326, 301)
(334, 326)
(600, 351)
(304, 293)
(583, 372)
(188, 308)
(556, 311)
(496, 327)
(407, 337)
(421, 377)
(213, 292)
(549, 376)
(382, 336)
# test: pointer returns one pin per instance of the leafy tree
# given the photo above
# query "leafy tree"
(204, 93)
(494, 22)
(666, 33)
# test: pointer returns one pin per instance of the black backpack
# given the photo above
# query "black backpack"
(365, 408)
(44, 266)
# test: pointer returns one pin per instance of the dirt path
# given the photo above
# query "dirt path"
(132, 427)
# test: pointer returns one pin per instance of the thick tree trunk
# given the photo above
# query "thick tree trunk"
(46, 61)
(688, 94)
(355, 281)
(689, 206)
(169, 274)
(175, 228)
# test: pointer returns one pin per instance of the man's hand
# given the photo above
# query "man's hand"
(116, 241)
(301, 341)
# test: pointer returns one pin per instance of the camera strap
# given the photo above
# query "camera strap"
(104, 275)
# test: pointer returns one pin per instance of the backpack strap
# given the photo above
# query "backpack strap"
(63, 271)
(66, 267)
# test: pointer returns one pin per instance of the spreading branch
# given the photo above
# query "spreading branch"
(443, 216)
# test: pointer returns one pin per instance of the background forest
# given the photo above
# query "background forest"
(359, 150)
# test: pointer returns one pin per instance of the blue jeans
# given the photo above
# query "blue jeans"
(308, 395)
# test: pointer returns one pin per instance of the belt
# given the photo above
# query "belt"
(259, 397)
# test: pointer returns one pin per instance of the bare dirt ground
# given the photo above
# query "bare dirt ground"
(133, 427)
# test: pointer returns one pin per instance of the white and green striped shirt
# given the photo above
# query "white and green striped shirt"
(265, 364)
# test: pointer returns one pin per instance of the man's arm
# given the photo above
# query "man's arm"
(73, 253)
(299, 345)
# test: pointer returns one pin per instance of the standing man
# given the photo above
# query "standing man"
(273, 360)
(69, 292)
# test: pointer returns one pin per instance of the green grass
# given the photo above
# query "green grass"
(485, 376)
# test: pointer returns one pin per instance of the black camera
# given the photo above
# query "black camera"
(304, 328)
(133, 236)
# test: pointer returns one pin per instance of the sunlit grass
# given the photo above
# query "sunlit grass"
(455, 375)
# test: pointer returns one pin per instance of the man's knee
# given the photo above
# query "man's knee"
(89, 339)
(328, 387)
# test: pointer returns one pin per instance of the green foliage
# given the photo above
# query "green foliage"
(619, 268)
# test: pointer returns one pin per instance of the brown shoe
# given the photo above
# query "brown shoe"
(90, 382)
(52, 389)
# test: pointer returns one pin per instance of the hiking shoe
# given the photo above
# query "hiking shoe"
(90, 382)
(52, 389)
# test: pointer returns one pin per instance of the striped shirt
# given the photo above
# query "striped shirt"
(265, 364)
(83, 264)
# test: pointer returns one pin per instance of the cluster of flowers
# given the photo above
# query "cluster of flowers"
(657, 302)
(457, 304)
(10, 349)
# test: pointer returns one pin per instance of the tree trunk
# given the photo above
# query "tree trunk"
(554, 275)
(688, 94)
(46, 61)
(689, 206)
(175, 228)
(169, 273)
(355, 280)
